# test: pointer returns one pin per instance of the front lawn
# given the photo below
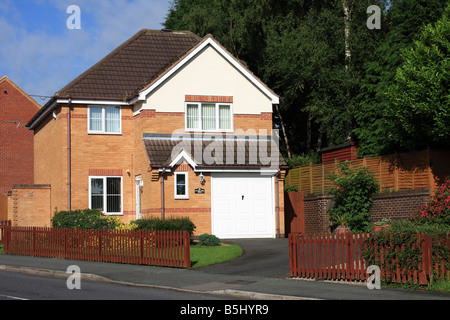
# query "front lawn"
(202, 256)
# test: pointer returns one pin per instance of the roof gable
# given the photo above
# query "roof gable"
(208, 41)
(16, 87)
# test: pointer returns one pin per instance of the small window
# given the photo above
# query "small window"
(181, 185)
(209, 117)
(104, 120)
(106, 194)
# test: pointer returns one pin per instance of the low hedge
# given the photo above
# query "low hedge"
(83, 219)
(180, 224)
(208, 240)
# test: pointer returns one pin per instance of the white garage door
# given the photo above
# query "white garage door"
(242, 206)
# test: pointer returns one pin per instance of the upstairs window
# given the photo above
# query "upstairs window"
(209, 117)
(104, 120)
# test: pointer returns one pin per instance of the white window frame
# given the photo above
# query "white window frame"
(103, 130)
(199, 114)
(105, 194)
(186, 178)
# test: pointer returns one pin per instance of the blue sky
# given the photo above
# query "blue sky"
(41, 55)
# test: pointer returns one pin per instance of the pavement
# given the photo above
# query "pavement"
(261, 273)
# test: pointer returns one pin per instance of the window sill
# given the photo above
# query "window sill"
(105, 133)
(209, 131)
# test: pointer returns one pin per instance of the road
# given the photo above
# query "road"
(17, 286)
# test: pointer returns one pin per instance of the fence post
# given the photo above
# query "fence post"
(33, 231)
(187, 249)
(349, 250)
(100, 245)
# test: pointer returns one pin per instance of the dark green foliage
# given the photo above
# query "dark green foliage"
(402, 25)
(173, 224)
(352, 192)
(209, 240)
(419, 101)
(82, 219)
(297, 47)
(401, 250)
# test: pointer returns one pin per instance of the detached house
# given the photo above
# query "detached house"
(168, 124)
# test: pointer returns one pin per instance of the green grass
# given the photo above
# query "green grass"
(202, 256)
(440, 286)
(1, 249)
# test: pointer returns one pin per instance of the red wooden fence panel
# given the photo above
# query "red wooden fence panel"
(148, 247)
(340, 257)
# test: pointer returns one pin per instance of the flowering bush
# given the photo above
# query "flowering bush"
(437, 210)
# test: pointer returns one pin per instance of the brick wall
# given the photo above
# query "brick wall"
(31, 206)
(16, 141)
(398, 205)
(395, 205)
(316, 216)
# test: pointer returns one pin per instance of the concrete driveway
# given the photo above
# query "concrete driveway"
(260, 257)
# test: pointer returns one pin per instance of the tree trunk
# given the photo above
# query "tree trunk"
(348, 19)
(283, 129)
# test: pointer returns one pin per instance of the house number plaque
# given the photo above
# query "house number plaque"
(199, 191)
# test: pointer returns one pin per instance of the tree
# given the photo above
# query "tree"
(419, 100)
(401, 22)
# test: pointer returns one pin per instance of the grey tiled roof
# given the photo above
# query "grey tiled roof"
(214, 151)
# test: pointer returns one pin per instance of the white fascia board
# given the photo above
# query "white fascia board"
(262, 171)
(275, 100)
(99, 102)
(79, 101)
(49, 108)
(186, 157)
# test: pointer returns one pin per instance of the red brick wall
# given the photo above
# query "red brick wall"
(16, 141)
(398, 205)
(31, 206)
(393, 205)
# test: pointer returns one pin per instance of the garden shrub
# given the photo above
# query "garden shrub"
(84, 219)
(352, 190)
(180, 224)
(209, 240)
(437, 210)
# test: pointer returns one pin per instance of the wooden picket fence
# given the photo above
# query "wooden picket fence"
(340, 257)
(144, 247)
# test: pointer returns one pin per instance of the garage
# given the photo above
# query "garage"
(242, 206)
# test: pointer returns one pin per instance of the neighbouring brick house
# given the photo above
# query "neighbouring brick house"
(168, 124)
(16, 141)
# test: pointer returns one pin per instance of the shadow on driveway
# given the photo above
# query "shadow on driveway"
(260, 257)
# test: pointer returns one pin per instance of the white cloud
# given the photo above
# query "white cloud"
(42, 63)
